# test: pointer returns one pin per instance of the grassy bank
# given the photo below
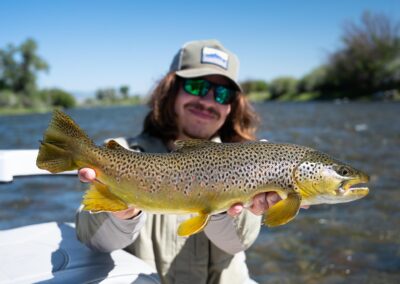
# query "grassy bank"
(87, 104)
(21, 111)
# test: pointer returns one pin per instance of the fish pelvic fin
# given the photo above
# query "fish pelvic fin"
(62, 143)
(99, 198)
(283, 211)
(193, 225)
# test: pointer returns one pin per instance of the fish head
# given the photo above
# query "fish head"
(322, 179)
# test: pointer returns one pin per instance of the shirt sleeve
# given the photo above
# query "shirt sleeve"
(104, 232)
(233, 234)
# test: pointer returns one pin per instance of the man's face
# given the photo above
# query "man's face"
(200, 117)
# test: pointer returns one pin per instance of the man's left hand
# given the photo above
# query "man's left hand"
(261, 203)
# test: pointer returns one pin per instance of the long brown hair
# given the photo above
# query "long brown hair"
(240, 125)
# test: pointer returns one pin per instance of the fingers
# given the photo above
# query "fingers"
(272, 198)
(259, 204)
(263, 201)
(235, 210)
(87, 175)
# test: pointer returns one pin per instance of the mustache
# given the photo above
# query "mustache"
(199, 106)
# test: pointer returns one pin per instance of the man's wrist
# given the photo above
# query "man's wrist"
(127, 214)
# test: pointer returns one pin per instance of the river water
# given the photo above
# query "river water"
(357, 242)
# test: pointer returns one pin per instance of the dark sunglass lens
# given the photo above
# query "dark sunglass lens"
(193, 87)
(223, 95)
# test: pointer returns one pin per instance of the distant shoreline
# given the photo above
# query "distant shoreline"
(25, 111)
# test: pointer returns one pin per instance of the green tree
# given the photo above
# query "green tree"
(124, 91)
(30, 65)
(283, 86)
(108, 94)
(61, 98)
(53, 97)
(19, 67)
(368, 61)
(8, 67)
(313, 81)
(250, 86)
(8, 99)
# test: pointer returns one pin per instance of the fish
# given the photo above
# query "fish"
(199, 177)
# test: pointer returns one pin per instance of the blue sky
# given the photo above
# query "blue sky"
(99, 44)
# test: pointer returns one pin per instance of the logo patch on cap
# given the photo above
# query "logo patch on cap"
(214, 56)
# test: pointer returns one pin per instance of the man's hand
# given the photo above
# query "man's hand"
(261, 203)
(89, 175)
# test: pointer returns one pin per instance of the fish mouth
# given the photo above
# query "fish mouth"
(356, 187)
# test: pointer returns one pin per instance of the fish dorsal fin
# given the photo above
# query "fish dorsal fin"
(114, 145)
(192, 144)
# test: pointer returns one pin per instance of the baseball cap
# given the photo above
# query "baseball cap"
(206, 57)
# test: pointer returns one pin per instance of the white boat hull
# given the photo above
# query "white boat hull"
(51, 253)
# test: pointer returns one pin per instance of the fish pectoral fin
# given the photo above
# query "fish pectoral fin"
(283, 211)
(99, 198)
(193, 225)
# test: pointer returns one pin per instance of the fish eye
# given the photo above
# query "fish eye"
(344, 171)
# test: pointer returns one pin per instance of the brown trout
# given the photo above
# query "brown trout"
(200, 177)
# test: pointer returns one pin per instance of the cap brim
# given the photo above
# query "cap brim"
(200, 72)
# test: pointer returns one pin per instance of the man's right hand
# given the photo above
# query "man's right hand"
(89, 175)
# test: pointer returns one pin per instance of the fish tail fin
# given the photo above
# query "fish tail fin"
(283, 211)
(62, 143)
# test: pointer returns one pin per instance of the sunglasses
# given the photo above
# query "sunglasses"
(200, 88)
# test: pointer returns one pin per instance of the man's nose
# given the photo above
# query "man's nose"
(210, 96)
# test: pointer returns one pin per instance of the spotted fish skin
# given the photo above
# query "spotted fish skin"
(236, 172)
(200, 177)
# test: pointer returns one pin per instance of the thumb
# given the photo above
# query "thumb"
(87, 175)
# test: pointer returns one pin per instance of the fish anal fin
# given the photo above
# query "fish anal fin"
(283, 211)
(193, 225)
(98, 198)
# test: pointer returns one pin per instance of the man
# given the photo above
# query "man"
(199, 98)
